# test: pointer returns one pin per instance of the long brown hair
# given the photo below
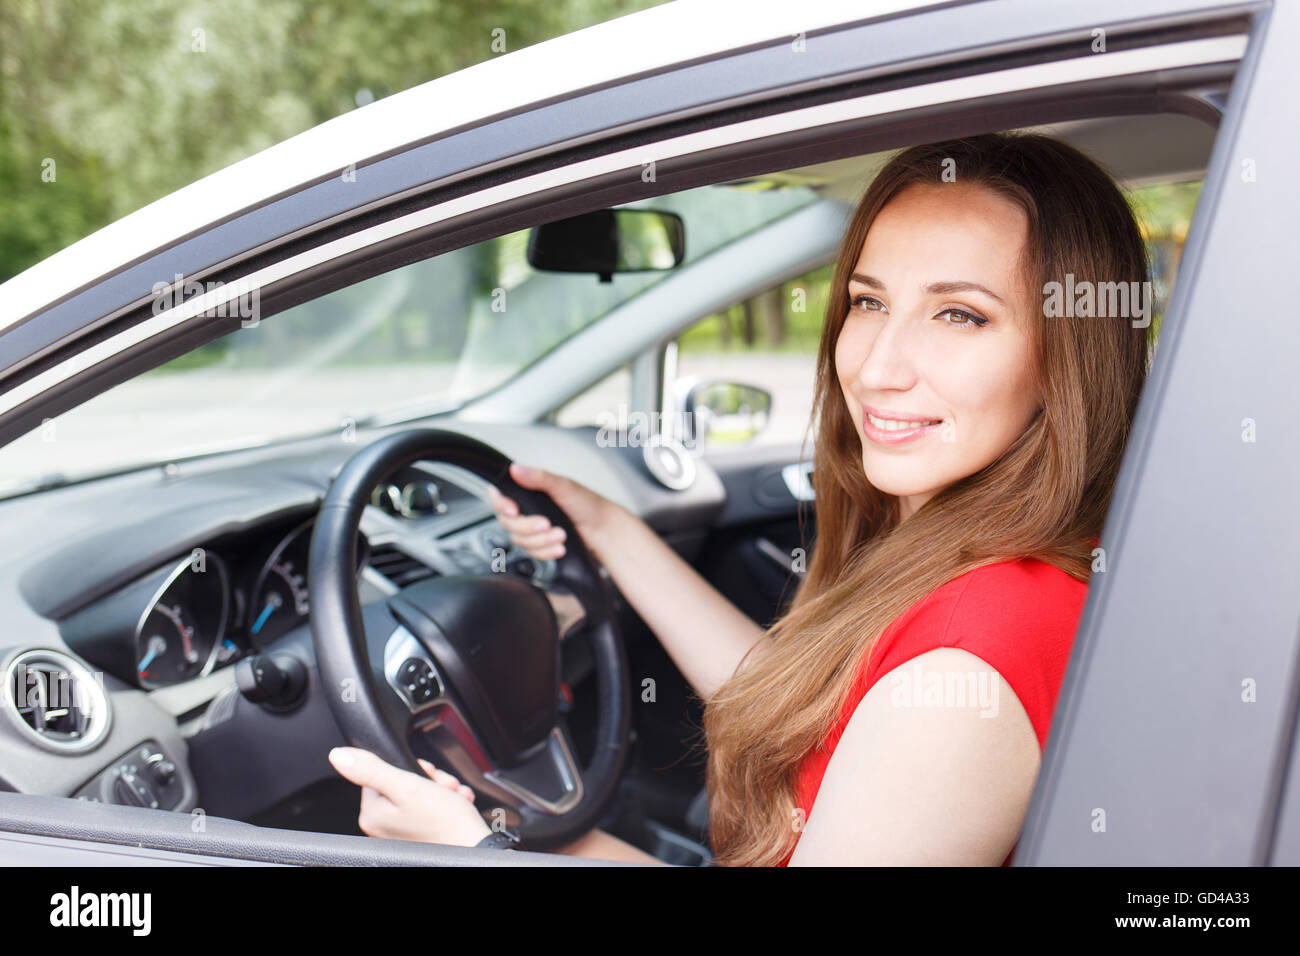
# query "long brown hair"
(1045, 497)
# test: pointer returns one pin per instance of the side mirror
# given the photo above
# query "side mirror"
(717, 412)
(608, 241)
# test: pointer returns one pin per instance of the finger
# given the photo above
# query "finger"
(529, 476)
(501, 503)
(525, 524)
(369, 770)
(534, 543)
(539, 479)
(539, 542)
(447, 780)
(442, 776)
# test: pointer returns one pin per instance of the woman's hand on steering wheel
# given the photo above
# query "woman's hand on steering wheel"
(484, 649)
(399, 805)
(589, 512)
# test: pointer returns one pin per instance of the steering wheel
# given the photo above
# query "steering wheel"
(466, 668)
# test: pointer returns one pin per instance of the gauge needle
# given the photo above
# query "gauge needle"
(273, 601)
(190, 654)
(156, 646)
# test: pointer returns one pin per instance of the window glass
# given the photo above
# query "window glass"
(769, 341)
(598, 403)
(420, 339)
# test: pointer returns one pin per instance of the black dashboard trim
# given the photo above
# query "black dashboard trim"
(85, 569)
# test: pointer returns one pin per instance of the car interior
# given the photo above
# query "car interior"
(175, 566)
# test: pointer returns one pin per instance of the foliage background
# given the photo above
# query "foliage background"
(116, 94)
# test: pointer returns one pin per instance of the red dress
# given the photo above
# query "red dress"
(1017, 616)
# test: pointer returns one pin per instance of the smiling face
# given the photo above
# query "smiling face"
(935, 357)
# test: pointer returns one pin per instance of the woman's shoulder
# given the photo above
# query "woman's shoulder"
(1024, 589)
(1019, 616)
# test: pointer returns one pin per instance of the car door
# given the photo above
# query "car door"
(1175, 732)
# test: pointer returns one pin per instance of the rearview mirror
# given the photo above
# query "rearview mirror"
(608, 241)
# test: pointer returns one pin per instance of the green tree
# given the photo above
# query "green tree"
(133, 99)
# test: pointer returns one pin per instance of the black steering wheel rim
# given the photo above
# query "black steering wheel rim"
(368, 712)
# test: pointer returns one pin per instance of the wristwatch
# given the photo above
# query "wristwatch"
(506, 838)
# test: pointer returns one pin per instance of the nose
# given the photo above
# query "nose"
(888, 363)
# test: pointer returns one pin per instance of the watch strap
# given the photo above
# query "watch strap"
(503, 839)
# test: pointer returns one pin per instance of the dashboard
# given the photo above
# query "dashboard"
(148, 588)
(237, 594)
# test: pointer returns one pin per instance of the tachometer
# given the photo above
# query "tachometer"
(178, 634)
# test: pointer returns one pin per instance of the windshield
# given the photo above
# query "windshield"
(425, 338)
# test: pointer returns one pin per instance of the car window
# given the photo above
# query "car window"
(601, 401)
(768, 340)
(424, 338)
(1164, 212)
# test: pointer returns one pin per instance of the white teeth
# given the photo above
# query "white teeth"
(889, 425)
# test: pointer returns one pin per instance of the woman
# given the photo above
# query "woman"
(966, 448)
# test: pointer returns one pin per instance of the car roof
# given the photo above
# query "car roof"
(641, 43)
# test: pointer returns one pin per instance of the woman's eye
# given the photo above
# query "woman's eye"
(960, 317)
(868, 302)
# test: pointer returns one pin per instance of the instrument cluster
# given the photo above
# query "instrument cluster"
(205, 610)
(204, 615)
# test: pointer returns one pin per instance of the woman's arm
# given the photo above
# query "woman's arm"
(916, 781)
(704, 633)
(400, 805)
(599, 845)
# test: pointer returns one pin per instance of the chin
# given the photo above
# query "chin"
(901, 479)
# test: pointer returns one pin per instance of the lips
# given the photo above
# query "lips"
(893, 428)
(899, 421)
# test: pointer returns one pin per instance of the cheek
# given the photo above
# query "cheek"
(851, 348)
(844, 365)
(995, 392)
(842, 346)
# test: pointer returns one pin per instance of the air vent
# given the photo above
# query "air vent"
(56, 701)
(398, 566)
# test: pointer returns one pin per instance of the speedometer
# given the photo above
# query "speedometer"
(280, 600)
(178, 634)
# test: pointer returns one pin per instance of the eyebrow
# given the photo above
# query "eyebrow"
(934, 288)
